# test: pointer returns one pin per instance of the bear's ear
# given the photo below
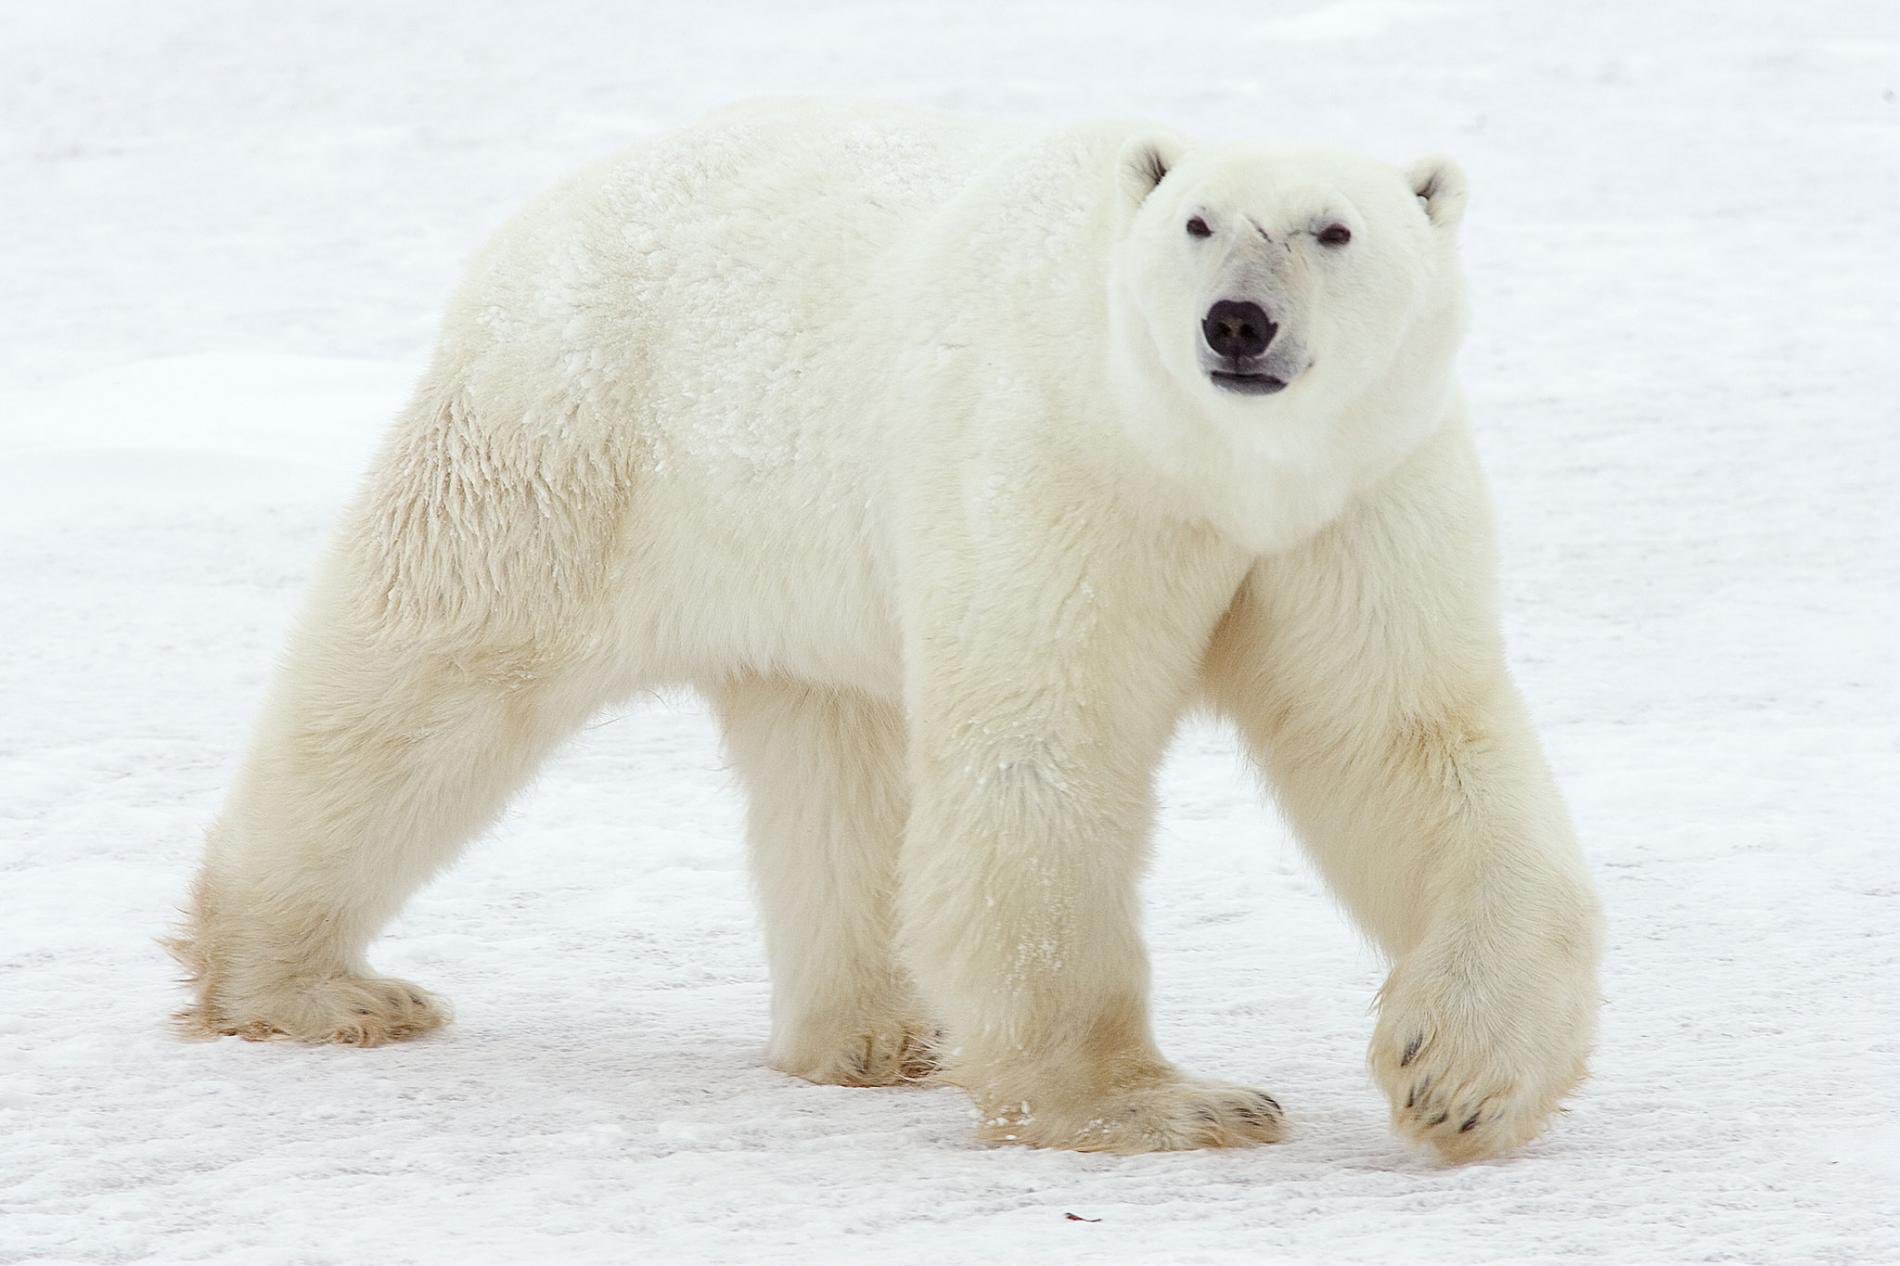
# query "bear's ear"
(1440, 186)
(1144, 163)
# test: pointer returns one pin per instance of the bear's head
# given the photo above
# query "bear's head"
(1300, 306)
(1255, 272)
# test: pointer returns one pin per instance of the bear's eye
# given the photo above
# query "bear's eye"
(1197, 227)
(1335, 235)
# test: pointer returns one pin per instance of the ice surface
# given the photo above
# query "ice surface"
(225, 233)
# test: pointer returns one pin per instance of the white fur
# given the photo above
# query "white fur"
(889, 432)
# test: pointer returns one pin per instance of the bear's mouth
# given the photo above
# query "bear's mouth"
(1246, 384)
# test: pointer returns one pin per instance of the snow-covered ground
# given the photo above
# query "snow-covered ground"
(224, 232)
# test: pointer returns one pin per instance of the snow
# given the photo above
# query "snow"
(226, 232)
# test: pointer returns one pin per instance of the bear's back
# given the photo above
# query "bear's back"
(764, 319)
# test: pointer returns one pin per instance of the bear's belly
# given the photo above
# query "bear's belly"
(722, 576)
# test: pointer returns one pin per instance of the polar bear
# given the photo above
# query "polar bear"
(952, 462)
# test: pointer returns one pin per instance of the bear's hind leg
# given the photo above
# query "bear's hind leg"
(824, 773)
(458, 630)
(376, 759)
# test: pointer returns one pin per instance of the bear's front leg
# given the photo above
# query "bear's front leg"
(1367, 676)
(1045, 681)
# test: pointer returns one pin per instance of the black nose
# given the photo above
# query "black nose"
(1237, 330)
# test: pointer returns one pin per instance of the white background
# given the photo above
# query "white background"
(225, 230)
